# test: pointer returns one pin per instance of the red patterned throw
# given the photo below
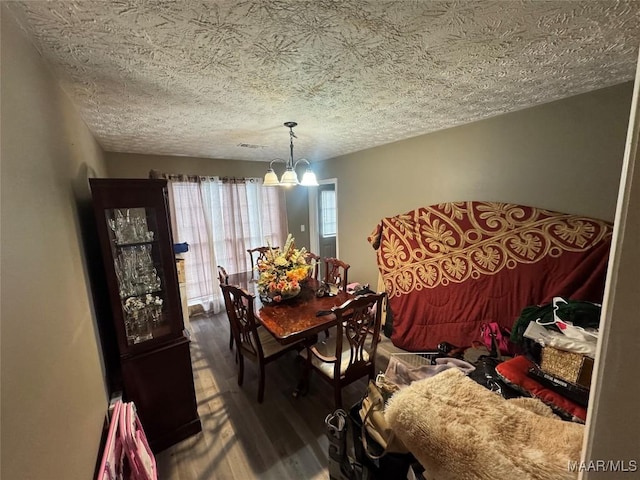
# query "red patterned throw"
(450, 267)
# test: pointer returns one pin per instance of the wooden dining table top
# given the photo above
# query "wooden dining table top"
(296, 318)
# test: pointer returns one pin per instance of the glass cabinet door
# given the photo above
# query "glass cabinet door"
(139, 273)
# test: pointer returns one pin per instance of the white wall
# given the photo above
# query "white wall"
(53, 392)
(614, 415)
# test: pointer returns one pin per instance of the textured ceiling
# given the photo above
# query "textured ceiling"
(219, 78)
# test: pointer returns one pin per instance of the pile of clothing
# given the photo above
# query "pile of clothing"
(558, 343)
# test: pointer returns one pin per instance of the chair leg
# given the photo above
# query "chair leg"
(231, 344)
(337, 393)
(303, 384)
(240, 369)
(261, 384)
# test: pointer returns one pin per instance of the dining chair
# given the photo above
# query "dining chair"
(350, 354)
(223, 277)
(258, 253)
(313, 260)
(335, 272)
(256, 344)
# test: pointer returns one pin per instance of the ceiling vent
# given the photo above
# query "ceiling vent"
(250, 145)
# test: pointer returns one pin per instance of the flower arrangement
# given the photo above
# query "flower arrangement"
(282, 271)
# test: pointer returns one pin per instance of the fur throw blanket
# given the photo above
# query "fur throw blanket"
(459, 430)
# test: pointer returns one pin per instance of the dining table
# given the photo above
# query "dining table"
(297, 318)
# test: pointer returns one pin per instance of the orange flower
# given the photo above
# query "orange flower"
(282, 271)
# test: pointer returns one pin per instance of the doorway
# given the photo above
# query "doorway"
(323, 220)
(614, 402)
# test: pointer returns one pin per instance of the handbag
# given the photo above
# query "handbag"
(494, 339)
(374, 424)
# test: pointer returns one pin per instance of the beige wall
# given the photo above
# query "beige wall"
(131, 165)
(127, 165)
(53, 394)
(565, 156)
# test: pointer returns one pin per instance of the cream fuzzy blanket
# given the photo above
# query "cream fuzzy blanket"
(459, 430)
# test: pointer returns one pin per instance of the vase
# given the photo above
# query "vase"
(278, 297)
(145, 331)
(291, 293)
(138, 327)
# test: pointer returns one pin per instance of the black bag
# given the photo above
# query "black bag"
(389, 466)
(343, 466)
(485, 374)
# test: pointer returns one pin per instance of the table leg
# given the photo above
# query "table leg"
(303, 384)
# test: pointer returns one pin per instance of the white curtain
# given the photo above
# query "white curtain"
(221, 219)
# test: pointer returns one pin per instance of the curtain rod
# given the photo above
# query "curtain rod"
(199, 178)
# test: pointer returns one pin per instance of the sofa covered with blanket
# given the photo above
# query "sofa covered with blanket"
(449, 268)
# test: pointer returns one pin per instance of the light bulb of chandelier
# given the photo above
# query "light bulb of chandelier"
(309, 179)
(271, 179)
(289, 178)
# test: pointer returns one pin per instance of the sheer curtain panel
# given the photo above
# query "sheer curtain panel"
(200, 261)
(221, 218)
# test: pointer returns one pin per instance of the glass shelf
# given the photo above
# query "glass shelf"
(145, 323)
(134, 244)
(130, 225)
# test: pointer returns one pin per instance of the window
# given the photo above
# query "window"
(328, 213)
(220, 220)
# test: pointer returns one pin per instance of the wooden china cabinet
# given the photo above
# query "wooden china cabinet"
(137, 248)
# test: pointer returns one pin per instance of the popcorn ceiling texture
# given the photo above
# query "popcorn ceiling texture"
(203, 78)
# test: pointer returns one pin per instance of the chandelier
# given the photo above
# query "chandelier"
(290, 177)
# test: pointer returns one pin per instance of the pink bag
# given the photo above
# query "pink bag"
(495, 338)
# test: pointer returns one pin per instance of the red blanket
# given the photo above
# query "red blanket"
(450, 267)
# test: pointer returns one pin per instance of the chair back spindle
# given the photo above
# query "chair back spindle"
(313, 260)
(335, 272)
(350, 354)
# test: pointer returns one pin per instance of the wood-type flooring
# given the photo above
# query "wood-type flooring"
(282, 438)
